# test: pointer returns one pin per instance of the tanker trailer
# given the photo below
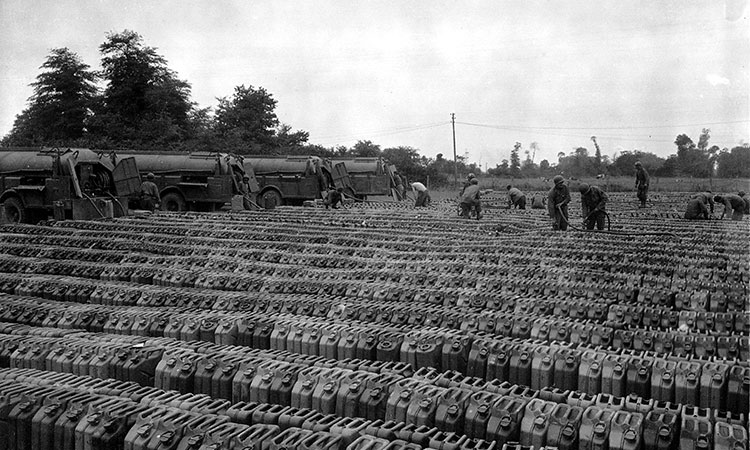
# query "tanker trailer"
(370, 176)
(290, 180)
(199, 181)
(77, 184)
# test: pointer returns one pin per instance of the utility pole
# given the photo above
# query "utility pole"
(455, 160)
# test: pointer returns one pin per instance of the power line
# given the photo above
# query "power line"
(632, 127)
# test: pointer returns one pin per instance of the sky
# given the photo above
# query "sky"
(633, 73)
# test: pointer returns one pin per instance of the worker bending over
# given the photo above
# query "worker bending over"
(557, 203)
(706, 197)
(593, 204)
(697, 209)
(516, 198)
(470, 199)
(150, 198)
(423, 196)
(731, 202)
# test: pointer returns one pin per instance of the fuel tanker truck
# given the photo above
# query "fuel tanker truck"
(77, 184)
(290, 180)
(199, 181)
(369, 176)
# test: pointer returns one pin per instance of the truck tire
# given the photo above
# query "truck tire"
(173, 202)
(271, 199)
(14, 210)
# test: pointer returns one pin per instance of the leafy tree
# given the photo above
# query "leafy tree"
(734, 163)
(692, 160)
(407, 160)
(60, 107)
(144, 103)
(290, 142)
(246, 122)
(624, 164)
(366, 149)
(515, 161)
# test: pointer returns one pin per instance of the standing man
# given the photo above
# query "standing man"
(557, 203)
(398, 186)
(641, 183)
(593, 203)
(516, 198)
(150, 198)
(467, 183)
(470, 199)
(245, 192)
(423, 196)
(731, 202)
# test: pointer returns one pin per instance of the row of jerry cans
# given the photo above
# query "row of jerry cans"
(648, 317)
(698, 382)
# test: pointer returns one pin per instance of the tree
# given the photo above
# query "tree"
(246, 122)
(692, 160)
(734, 163)
(407, 161)
(144, 103)
(515, 161)
(60, 107)
(366, 149)
(290, 142)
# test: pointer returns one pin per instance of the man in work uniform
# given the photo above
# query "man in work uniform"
(697, 209)
(516, 198)
(538, 202)
(423, 196)
(593, 204)
(746, 200)
(245, 192)
(641, 183)
(467, 183)
(150, 198)
(732, 202)
(335, 198)
(706, 197)
(557, 203)
(470, 199)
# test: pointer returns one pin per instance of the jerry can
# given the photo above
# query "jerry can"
(294, 337)
(447, 440)
(373, 402)
(289, 439)
(283, 380)
(476, 365)
(535, 423)
(400, 397)
(695, 433)
(567, 363)
(713, 385)
(422, 409)
(660, 431)
(368, 442)
(146, 424)
(351, 388)
(311, 340)
(590, 372)
(260, 385)
(347, 344)
(227, 331)
(349, 429)
(242, 412)
(298, 418)
(321, 441)
(581, 399)
(520, 365)
(542, 367)
(614, 375)
(610, 402)
(730, 436)
(738, 385)
(326, 391)
(455, 353)
(53, 407)
(18, 419)
(687, 382)
(302, 391)
(505, 419)
(450, 409)
(499, 361)
(388, 347)
(256, 436)
(478, 412)
(243, 378)
(663, 380)
(595, 427)
(269, 413)
(625, 431)
(564, 423)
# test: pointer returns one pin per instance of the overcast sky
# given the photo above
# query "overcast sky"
(633, 73)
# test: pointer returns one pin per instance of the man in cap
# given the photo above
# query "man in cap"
(467, 183)
(423, 196)
(557, 203)
(470, 199)
(245, 192)
(335, 198)
(731, 202)
(516, 198)
(593, 203)
(150, 198)
(641, 183)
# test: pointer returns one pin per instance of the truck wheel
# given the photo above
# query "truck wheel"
(14, 210)
(173, 202)
(271, 199)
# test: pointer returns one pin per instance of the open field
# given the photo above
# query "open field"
(378, 326)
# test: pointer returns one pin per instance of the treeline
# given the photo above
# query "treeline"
(136, 102)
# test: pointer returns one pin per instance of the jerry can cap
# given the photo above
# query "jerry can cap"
(630, 435)
(539, 421)
(166, 437)
(405, 394)
(506, 421)
(144, 430)
(600, 428)
(483, 408)
(665, 432)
